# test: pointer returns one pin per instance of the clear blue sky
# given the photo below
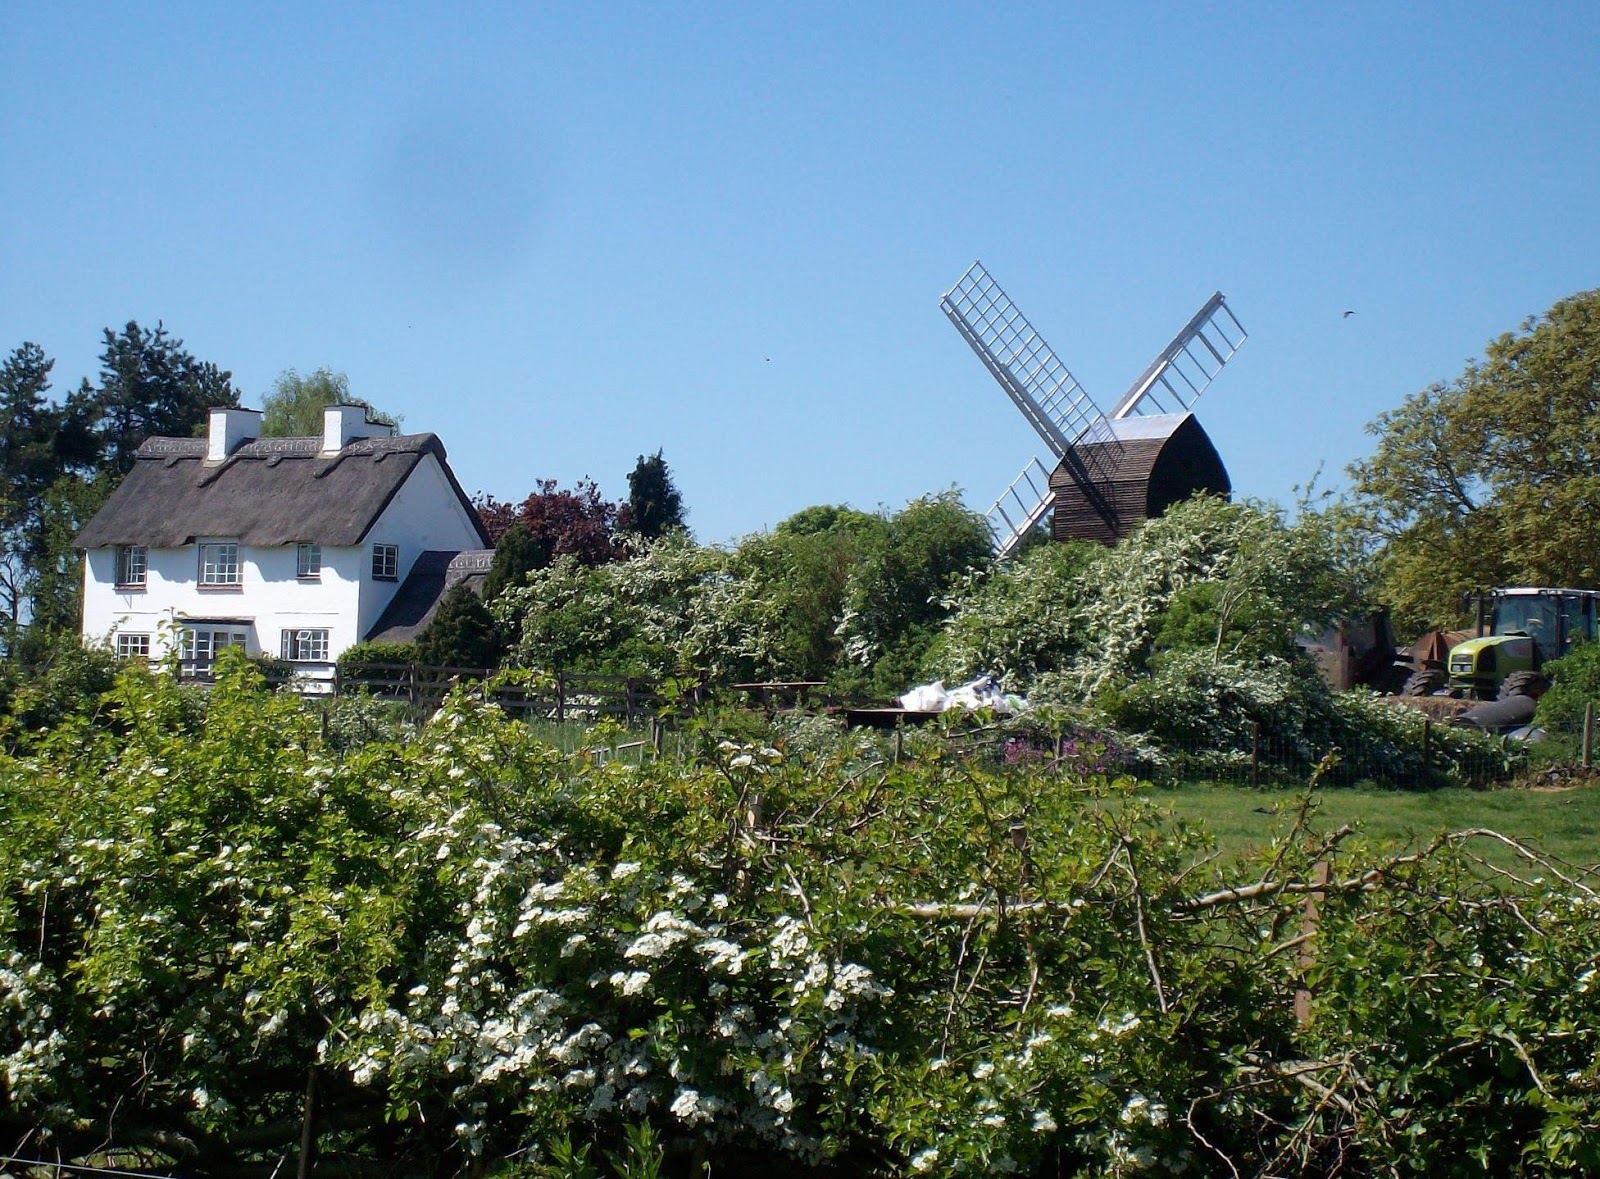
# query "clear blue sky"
(562, 236)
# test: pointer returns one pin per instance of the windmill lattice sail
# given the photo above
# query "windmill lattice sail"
(1185, 368)
(1044, 389)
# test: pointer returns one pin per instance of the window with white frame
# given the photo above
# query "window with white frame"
(219, 563)
(202, 643)
(308, 561)
(133, 562)
(305, 645)
(386, 562)
(133, 646)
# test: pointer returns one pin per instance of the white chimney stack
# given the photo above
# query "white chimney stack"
(228, 429)
(345, 423)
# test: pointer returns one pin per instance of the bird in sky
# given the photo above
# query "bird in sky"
(1348, 314)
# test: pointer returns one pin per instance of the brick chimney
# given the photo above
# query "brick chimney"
(227, 429)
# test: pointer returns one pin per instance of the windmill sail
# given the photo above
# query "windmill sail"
(1185, 368)
(1021, 508)
(1046, 392)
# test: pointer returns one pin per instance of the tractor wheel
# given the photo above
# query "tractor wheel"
(1523, 683)
(1424, 683)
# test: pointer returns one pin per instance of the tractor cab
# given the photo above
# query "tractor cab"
(1519, 631)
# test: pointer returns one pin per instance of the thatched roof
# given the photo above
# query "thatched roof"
(1151, 463)
(268, 493)
(432, 576)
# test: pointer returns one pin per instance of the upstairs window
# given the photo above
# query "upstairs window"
(132, 563)
(305, 646)
(219, 563)
(308, 561)
(386, 562)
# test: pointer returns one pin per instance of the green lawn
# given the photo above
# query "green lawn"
(1564, 824)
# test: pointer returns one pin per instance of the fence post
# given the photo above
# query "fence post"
(627, 703)
(1255, 754)
(1588, 734)
(561, 698)
(1308, 930)
(899, 738)
(1427, 747)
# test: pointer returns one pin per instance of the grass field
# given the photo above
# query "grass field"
(1565, 824)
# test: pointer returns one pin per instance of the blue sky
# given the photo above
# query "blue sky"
(563, 236)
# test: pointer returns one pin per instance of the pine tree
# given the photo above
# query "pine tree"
(654, 505)
(462, 633)
(518, 554)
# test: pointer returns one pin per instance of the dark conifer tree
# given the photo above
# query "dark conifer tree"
(654, 505)
(517, 554)
(462, 633)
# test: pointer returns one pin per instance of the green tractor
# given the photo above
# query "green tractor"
(1519, 631)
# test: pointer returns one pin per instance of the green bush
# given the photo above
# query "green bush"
(378, 653)
(479, 948)
(69, 682)
(1574, 683)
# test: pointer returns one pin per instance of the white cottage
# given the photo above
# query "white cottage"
(290, 547)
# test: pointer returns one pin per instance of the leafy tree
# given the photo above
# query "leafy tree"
(55, 584)
(149, 385)
(834, 518)
(29, 427)
(576, 523)
(654, 505)
(294, 407)
(462, 633)
(1492, 478)
(44, 450)
(642, 617)
(896, 596)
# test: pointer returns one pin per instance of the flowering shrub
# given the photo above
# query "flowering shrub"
(477, 954)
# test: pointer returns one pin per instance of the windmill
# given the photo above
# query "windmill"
(1090, 446)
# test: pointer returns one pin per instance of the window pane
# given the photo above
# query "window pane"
(131, 565)
(219, 564)
(308, 560)
(305, 645)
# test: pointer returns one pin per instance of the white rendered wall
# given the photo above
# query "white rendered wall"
(269, 597)
(425, 514)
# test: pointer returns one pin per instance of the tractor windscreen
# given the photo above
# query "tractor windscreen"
(1532, 616)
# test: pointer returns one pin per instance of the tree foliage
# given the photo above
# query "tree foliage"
(462, 633)
(31, 459)
(516, 554)
(1235, 581)
(484, 957)
(60, 460)
(574, 523)
(1492, 478)
(293, 409)
(655, 506)
(779, 606)
(149, 385)
(896, 596)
